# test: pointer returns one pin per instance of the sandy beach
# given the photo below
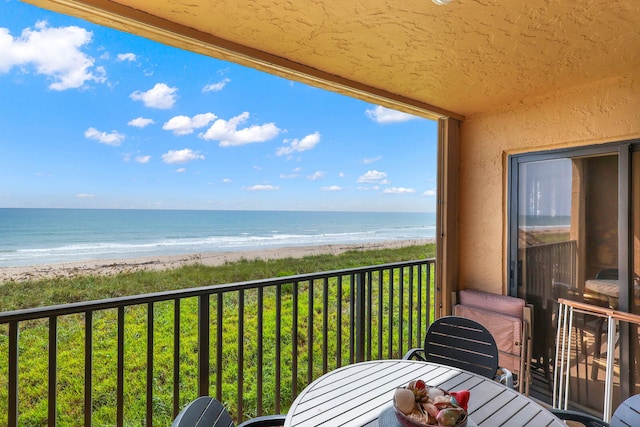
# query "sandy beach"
(116, 266)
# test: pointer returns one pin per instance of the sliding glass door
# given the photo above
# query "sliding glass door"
(574, 232)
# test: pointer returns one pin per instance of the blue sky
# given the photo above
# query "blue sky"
(97, 118)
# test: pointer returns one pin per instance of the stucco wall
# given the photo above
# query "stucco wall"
(603, 112)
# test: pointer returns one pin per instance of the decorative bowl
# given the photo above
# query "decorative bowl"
(418, 419)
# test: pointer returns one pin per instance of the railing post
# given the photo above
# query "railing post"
(360, 301)
(608, 383)
(150, 359)
(120, 369)
(176, 357)
(561, 337)
(239, 403)
(53, 370)
(203, 345)
(88, 367)
(310, 314)
(12, 416)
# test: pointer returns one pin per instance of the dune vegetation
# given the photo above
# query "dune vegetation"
(33, 384)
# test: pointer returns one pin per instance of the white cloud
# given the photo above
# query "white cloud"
(262, 187)
(372, 176)
(317, 175)
(384, 115)
(226, 180)
(430, 193)
(341, 175)
(371, 160)
(183, 125)
(295, 145)
(289, 176)
(398, 190)
(181, 170)
(160, 96)
(140, 122)
(53, 52)
(131, 57)
(331, 188)
(295, 174)
(181, 156)
(215, 87)
(229, 135)
(114, 138)
(85, 196)
(143, 159)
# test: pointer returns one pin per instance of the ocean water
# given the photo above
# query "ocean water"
(47, 236)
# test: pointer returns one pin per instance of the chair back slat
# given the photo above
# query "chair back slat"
(462, 343)
(204, 411)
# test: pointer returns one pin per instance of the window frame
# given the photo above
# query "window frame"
(620, 148)
(623, 149)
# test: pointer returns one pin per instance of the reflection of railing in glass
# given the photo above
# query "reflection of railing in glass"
(546, 265)
(567, 309)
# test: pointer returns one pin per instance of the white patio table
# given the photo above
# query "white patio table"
(360, 395)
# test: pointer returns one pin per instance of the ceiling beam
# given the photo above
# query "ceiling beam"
(114, 15)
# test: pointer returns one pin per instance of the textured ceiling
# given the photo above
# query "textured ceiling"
(467, 57)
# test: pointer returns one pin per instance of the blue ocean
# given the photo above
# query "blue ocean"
(47, 236)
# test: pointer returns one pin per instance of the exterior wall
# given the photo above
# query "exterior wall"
(606, 111)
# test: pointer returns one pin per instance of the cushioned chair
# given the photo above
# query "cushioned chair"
(462, 343)
(509, 320)
(627, 414)
(206, 411)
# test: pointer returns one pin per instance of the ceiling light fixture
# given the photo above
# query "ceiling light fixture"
(441, 2)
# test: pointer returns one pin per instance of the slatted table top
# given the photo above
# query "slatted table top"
(604, 286)
(356, 395)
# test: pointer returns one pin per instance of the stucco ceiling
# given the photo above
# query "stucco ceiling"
(467, 57)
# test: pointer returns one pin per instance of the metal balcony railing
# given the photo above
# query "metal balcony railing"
(254, 345)
(566, 363)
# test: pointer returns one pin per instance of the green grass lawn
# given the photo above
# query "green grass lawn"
(34, 337)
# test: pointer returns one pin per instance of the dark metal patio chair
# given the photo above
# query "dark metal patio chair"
(206, 411)
(627, 414)
(462, 343)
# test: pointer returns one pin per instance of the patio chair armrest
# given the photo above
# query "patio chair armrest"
(415, 354)
(581, 417)
(265, 421)
(505, 377)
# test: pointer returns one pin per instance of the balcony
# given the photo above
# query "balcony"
(254, 345)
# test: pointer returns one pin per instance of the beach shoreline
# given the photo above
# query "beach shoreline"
(168, 262)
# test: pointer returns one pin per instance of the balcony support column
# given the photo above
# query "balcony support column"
(447, 214)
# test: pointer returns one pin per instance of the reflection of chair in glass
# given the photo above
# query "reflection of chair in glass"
(608, 300)
(206, 411)
(462, 343)
(605, 288)
(608, 274)
(627, 414)
(593, 324)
